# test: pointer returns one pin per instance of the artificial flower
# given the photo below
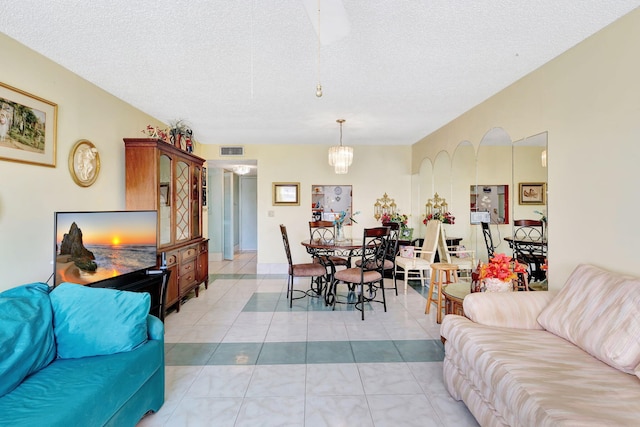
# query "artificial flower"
(501, 267)
(543, 217)
(343, 216)
(445, 218)
(401, 219)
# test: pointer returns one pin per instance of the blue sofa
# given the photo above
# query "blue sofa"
(78, 356)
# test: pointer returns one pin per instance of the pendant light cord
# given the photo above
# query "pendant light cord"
(319, 86)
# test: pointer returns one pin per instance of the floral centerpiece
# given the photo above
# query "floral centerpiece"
(401, 219)
(340, 220)
(445, 218)
(499, 273)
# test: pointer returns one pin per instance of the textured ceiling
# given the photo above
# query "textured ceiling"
(245, 72)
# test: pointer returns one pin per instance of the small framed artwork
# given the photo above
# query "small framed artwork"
(84, 163)
(406, 234)
(164, 194)
(27, 127)
(532, 193)
(286, 193)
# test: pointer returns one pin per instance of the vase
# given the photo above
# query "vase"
(340, 233)
(496, 285)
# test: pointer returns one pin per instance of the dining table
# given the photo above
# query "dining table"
(322, 251)
(532, 252)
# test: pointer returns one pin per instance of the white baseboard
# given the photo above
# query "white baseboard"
(272, 268)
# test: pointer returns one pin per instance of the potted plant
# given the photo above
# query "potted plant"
(180, 134)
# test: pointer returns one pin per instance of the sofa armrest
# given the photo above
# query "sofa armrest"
(155, 328)
(518, 310)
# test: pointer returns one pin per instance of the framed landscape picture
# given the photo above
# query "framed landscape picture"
(532, 193)
(27, 127)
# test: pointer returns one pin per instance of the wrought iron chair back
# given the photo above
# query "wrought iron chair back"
(322, 231)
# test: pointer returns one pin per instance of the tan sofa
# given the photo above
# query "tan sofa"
(569, 358)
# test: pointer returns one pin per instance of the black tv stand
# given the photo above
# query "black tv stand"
(154, 282)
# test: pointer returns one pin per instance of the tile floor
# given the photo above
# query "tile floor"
(239, 356)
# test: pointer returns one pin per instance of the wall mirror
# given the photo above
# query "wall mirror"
(530, 177)
(494, 163)
(463, 173)
(442, 176)
(425, 185)
(489, 203)
(329, 200)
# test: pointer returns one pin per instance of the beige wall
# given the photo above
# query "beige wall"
(30, 194)
(375, 170)
(587, 99)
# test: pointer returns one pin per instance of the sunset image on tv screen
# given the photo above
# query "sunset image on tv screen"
(94, 246)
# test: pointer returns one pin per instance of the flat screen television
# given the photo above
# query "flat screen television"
(94, 246)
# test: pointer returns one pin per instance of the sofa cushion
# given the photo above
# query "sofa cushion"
(26, 333)
(598, 311)
(97, 321)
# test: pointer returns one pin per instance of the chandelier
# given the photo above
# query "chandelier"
(340, 157)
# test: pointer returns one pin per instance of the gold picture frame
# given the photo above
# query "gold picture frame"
(84, 163)
(532, 193)
(286, 194)
(28, 127)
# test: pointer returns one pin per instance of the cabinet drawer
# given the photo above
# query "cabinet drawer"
(188, 253)
(187, 268)
(187, 274)
(172, 258)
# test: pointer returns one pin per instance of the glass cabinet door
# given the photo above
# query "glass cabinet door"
(164, 202)
(195, 201)
(182, 207)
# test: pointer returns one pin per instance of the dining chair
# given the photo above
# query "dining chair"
(392, 252)
(488, 240)
(529, 247)
(418, 264)
(324, 231)
(464, 259)
(371, 269)
(313, 270)
(531, 229)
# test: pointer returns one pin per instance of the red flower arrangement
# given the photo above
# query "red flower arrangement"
(501, 267)
(445, 218)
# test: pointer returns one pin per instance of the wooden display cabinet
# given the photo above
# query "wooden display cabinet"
(164, 178)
